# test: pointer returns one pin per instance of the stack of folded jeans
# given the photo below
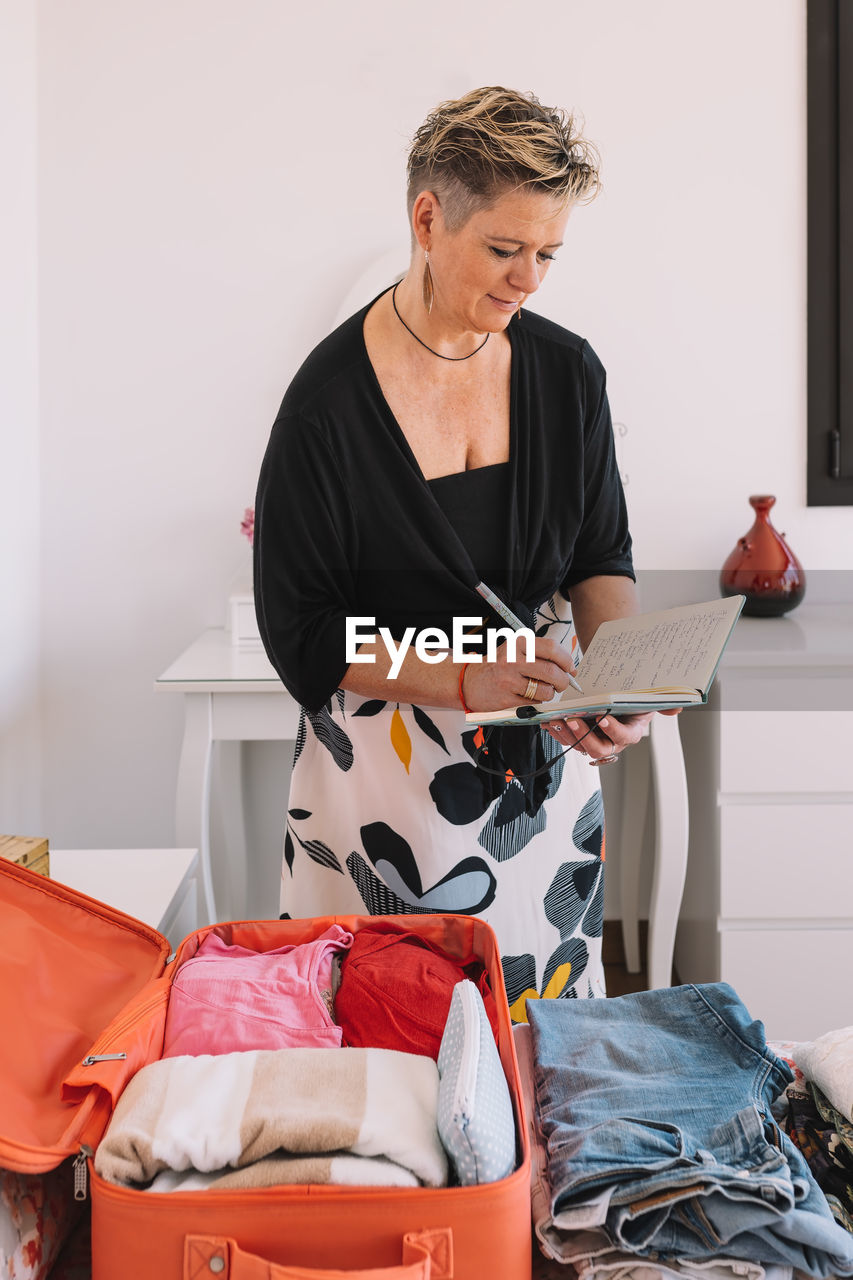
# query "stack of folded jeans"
(654, 1113)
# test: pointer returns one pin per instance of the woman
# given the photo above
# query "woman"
(441, 437)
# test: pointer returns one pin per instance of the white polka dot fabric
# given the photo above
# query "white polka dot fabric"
(475, 1119)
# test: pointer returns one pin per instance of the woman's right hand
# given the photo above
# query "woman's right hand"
(491, 686)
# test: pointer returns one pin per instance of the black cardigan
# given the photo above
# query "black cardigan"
(345, 523)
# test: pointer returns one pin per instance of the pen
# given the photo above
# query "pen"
(508, 616)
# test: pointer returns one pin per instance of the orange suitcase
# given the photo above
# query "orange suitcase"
(83, 1001)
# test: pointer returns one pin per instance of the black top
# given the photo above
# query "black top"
(476, 504)
(347, 525)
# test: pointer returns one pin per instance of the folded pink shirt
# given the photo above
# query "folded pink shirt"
(227, 999)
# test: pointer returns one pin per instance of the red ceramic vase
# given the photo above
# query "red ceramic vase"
(763, 567)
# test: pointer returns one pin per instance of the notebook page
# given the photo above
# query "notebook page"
(672, 648)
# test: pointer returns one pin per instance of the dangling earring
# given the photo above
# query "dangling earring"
(429, 291)
(518, 312)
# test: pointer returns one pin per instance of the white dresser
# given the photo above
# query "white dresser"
(768, 901)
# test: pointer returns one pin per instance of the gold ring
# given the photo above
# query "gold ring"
(605, 760)
(531, 690)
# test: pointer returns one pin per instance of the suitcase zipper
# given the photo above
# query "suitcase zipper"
(467, 1079)
(119, 1029)
(81, 1172)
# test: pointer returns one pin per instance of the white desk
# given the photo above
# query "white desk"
(234, 695)
(156, 886)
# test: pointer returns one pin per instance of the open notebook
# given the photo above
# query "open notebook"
(650, 662)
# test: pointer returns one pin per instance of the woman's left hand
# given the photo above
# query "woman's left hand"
(605, 740)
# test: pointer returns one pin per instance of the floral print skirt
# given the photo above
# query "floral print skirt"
(389, 813)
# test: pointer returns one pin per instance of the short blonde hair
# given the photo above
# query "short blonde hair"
(472, 150)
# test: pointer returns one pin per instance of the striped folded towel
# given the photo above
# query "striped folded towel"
(231, 1111)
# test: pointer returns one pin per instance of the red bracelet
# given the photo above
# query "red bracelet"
(465, 706)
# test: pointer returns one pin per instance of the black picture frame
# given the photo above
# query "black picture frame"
(830, 252)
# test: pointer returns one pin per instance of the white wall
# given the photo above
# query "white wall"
(20, 766)
(212, 178)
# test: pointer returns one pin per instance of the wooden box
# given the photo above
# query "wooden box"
(27, 851)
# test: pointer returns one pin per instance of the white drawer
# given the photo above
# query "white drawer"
(238, 717)
(783, 751)
(807, 686)
(794, 980)
(786, 861)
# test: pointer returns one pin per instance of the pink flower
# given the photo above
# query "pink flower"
(247, 525)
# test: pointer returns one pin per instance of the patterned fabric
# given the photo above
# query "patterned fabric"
(812, 1123)
(839, 1123)
(390, 813)
(822, 1133)
(475, 1119)
(37, 1213)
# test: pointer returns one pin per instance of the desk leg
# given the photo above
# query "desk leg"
(234, 876)
(632, 824)
(670, 849)
(192, 809)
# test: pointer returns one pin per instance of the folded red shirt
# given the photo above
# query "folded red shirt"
(395, 992)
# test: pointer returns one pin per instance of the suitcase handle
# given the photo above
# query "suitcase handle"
(427, 1255)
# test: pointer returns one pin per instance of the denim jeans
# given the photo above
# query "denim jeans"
(655, 1109)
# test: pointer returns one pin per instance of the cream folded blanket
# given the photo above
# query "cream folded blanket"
(212, 1113)
(828, 1062)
